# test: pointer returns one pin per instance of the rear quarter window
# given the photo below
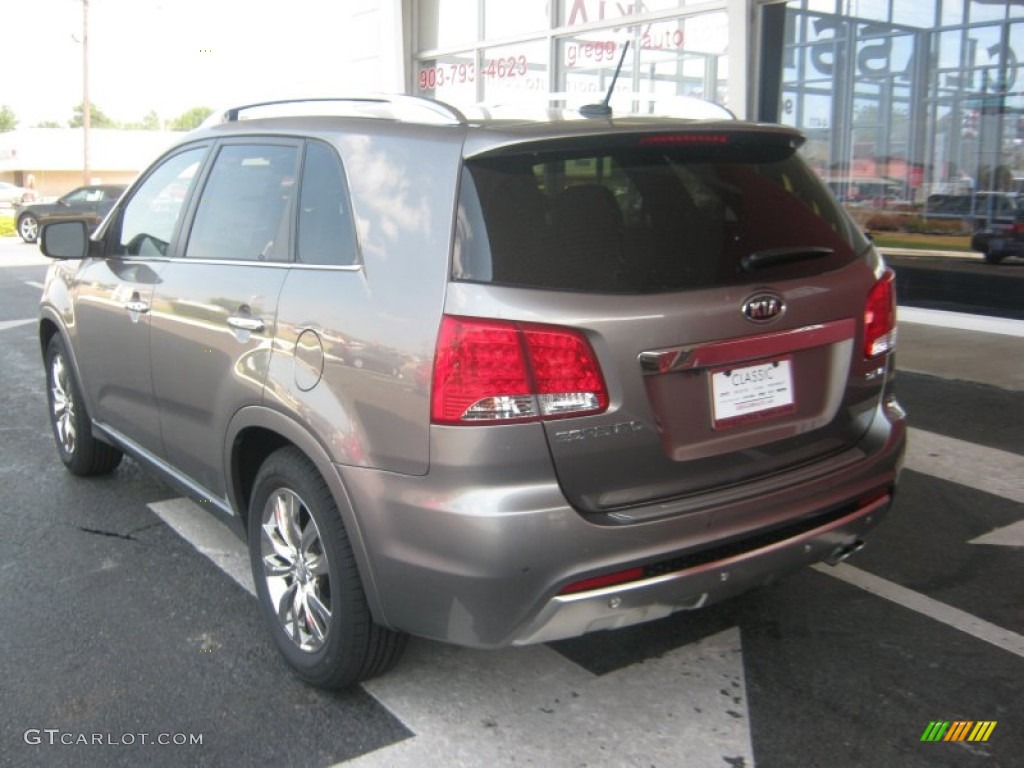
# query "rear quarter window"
(641, 219)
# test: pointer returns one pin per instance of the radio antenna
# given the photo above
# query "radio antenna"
(602, 109)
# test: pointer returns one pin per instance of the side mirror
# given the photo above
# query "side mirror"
(65, 240)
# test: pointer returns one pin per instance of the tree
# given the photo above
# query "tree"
(97, 119)
(150, 122)
(48, 124)
(8, 122)
(189, 119)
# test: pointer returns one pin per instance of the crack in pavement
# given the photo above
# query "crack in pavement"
(130, 536)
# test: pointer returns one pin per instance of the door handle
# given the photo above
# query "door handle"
(243, 323)
(137, 305)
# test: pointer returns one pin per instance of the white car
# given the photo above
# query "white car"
(11, 194)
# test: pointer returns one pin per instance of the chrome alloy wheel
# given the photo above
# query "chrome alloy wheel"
(63, 404)
(296, 569)
(28, 228)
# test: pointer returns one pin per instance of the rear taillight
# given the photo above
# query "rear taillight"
(491, 371)
(880, 317)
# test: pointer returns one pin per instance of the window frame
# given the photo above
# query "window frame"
(112, 235)
(357, 253)
(186, 219)
(252, 140)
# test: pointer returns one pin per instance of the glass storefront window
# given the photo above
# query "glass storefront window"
(913, 14)
(886, 126)
(573, 12)
(949, 50)
(677, 57)
(506, 19)
(448, 78)
(986, 56)
(986, 10)
(447, 23)
(871, 10)
(685, 57)
(588, 62)
(952, 13)
(514, 73)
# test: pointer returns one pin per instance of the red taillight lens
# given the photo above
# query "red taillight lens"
(496, 371)
(480, 373)
(880, 317)
(566, 375)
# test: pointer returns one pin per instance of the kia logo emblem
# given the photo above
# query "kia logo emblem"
(763, 307)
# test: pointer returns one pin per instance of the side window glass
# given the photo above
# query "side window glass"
(150, 216)
(79, 196)
(326, 234)
(244, 211)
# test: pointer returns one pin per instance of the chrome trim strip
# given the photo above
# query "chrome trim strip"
(728, 351)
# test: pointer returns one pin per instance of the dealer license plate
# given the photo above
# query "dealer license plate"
(752, 393)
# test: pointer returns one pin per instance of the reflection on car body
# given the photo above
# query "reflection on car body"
(90, 203)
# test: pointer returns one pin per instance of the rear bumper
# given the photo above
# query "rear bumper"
(478, 557)
(696, 587)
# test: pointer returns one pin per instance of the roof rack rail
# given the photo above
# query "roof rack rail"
(442, 112)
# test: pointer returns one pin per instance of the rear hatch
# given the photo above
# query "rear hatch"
(719, 287)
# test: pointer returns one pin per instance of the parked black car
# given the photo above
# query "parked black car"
(998, 238)
(84, 203)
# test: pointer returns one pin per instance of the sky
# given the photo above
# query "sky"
(170, 55)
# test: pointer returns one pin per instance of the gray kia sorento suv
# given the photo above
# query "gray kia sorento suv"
(488, 381)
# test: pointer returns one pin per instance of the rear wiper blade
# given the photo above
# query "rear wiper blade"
(773, 257)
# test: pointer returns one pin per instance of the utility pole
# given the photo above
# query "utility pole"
(86, 174)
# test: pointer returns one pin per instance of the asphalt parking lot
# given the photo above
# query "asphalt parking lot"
(130, 618)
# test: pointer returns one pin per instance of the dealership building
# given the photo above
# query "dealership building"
(898, 98)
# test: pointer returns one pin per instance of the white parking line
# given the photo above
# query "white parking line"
(6, 324)
(976, 466)
(521, 706)
(531, 706)
(961, 321)
(933, 609)
(213, 539)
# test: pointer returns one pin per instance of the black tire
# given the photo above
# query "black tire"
(28, 227)
(81, 453)
(992, 257)
(333, 651)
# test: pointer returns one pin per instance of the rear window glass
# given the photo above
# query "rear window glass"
(647, 219)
